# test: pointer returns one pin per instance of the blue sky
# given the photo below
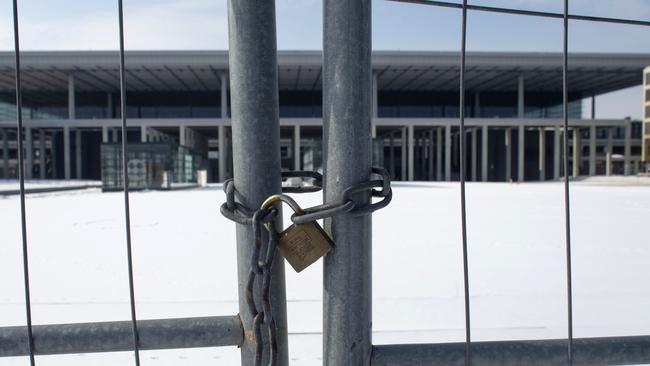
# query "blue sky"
(202, 24)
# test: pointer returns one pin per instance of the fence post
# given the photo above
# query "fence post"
(347, 84)
(256, 149)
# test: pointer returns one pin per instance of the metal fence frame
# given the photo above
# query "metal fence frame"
(347, 131)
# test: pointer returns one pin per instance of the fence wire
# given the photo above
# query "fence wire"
(567, 202)
(125, 179)
(463, 205)
(21, 175)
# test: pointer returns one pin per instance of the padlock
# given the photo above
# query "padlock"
(300, 244)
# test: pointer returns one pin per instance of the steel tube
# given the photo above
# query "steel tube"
(347, 101)
(587, 351)
(56, 339)
(256, 151)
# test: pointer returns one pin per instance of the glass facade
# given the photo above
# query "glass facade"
(301, 104)
(96, 105)
(150, 166)
(491, 105)
(293, 104)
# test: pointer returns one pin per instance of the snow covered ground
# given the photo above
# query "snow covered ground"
(184, 260)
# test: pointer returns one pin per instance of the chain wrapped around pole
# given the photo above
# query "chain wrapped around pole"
(262, 258)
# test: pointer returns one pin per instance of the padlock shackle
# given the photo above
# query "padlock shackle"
(282, 198)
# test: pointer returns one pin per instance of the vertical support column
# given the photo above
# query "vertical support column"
(403, 154)
(67, 157)
(593, 107)
(256, 152)
(577, 151)
(391, 154)
(78, 153)
(41, 155)
(347, 285)
(628, 146)
(508, 139)
(542, 154)
(477, 105)
(143, 134)
(484, 153)
(411, 157)
(223, 153)
(375, 103)
(439, 154)
(223, 79)
(448, 153)
(53, 153)
(109, 105)
(29, 153)
(520, 97)
(431, 153)
(592, 150)
(72, 112)
(297, 158)
(375, 96)
(104, 134)
(5, 154)
(521, 151)
(474, 154)
(608, 163)
(423, 155)
(182, 135)
(556, 153)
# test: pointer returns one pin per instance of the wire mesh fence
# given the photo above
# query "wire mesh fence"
(221, 331)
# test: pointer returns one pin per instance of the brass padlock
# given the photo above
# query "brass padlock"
(301, 244)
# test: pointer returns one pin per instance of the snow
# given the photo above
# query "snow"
(184, 260)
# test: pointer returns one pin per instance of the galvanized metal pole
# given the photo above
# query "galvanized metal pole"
(347, 100)
(54, 339)
(548, 352)
(256, 150)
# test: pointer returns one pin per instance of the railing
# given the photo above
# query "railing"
(347, 276)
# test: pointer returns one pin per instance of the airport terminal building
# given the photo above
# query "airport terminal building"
(178, 114)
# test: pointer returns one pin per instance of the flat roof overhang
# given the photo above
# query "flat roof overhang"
(589, 73)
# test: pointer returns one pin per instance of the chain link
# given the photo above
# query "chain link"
(261, 265)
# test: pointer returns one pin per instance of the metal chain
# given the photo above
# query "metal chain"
(347, 204)
(261, 265)
(234, 211)
(262, 261)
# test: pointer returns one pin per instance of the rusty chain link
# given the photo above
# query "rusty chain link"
(262, 263)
